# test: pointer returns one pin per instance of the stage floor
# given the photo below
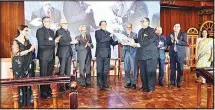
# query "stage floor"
(119, 97)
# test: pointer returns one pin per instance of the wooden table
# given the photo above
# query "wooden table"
(206, 73)
(34, 82)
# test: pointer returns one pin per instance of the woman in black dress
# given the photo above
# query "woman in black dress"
(22, 63)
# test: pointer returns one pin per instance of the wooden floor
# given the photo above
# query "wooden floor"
(119, 97)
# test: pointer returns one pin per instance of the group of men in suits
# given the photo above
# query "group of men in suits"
(47, 42)
(147, 49)
(151, 51)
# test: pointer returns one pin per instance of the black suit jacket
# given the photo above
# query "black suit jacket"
(180, 45)
(103, 43)
(147, 41)
(46, 44)
(64, 46)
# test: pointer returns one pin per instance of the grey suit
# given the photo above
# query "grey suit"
(129, 55)
(84, 57)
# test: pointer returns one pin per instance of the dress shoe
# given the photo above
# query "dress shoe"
(101, 88)
(133, 86)
(89, 85)
(106, 86)
(128, 85)
(143, 89)
(161, 84)
(178, 85)
(84, 86)
(171, 85)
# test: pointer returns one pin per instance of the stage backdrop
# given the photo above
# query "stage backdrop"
(90, 13)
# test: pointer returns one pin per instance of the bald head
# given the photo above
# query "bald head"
(129, 28)
(158, 30)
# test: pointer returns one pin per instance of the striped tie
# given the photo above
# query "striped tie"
(175, 48)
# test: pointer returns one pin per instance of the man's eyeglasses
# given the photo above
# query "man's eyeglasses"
(128, 27)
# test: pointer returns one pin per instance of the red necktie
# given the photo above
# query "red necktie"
(175, 48)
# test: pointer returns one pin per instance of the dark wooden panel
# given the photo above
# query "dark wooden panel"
(187, 17)
(188, 3)
(12, 15)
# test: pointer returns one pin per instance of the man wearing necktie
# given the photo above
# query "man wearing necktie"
(177, 41)
(129, 55)
(84, 56)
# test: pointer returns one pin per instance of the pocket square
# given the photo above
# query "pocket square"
(145, 35)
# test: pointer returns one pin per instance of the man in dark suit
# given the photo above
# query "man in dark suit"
(46, 53)
(84, 56)
(129, 55)
(48, 10)
(147, 55)
(104, 40)
(161, 45)
(64, 51)
(177, 41)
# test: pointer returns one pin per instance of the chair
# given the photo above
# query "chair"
(187, 65)
(93, 67)
(121, 61)
(112, 67)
